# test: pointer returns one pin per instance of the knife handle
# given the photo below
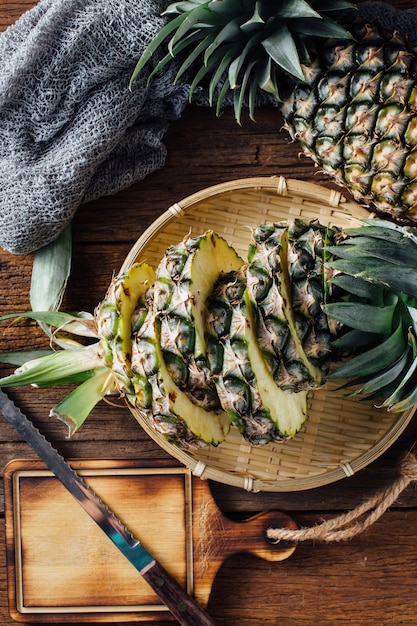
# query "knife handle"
(181, 605)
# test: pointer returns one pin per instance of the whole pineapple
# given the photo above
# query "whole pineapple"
(347, 90)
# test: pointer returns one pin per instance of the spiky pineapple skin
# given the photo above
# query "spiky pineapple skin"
(355, 116)
(113, 319)
(230, 364)
(306, 271)
(272, 328)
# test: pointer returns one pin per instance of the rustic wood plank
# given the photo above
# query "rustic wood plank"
(11, 10)
(360, 582)
(370, 580)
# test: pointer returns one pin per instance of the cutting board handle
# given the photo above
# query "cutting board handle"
(250, 535)
(217, 537)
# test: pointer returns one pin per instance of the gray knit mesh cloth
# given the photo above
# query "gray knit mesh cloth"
(71, 130)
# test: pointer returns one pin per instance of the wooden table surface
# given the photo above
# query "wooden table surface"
(370, 580)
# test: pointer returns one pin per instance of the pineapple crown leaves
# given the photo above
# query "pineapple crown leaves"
(242, 45)
(377, 264)
(75, 363)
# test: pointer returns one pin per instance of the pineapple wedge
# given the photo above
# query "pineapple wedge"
(288, 410)
(170, 411)
(114, 319)
(185, 279)
(283, 295)
(257, 406)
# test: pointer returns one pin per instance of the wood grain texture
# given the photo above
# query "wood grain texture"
(60, 562)
(358, 583)
(368, 582)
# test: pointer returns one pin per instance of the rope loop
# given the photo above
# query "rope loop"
(348, 525)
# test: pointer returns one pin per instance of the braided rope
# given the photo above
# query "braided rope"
(348, 525)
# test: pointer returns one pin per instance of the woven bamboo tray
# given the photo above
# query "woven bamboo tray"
(341, 435)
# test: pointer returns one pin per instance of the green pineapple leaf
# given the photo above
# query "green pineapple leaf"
(265, 79)
(325, 6)
(253, 89)
(296, 9)
(181, 45)
(189, 20)
(56, 368)
(400, 253)
(380, 273)
(375, 359)
(406, 403)
(229, 33)
(77, 323)
(321, 28)
(281, 48)
(50, 272)
(192, 57)
(240, 94)
(379, 383)
(222, 95)
(253, 24)
(360, 288)
(403, 395)
(354, 339)
(159, 39)
(219, 71)
(382, 229)
(21, 357)
(239, 60)
(202, 72)
(74, 409)
(365, 317)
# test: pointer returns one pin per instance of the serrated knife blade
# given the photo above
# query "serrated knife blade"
(182, 605)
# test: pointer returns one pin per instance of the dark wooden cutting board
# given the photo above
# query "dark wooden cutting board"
(61, 566)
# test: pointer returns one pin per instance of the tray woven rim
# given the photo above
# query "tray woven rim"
(234, 462)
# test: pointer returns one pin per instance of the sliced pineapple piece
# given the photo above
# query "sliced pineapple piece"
(170, 411)
(114, 319)
(185, 278)
(283, 276)
(257, 406)
(273, 332)
(288, 410)
(305, 263)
